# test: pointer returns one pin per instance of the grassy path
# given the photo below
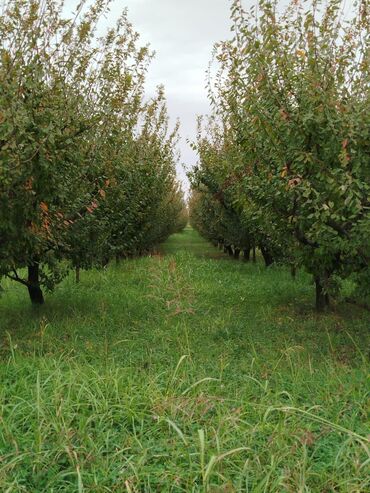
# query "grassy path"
(183, 372)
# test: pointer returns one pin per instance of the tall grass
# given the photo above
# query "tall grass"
(183, 372)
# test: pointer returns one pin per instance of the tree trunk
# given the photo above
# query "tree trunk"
(254, 254)
(247, 254)
(78, 275)
(225, 249)
(34, 289)
(322, 298)
(236, 253)
(267, 257)
(229, 250)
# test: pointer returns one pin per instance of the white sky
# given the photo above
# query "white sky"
(182, 33)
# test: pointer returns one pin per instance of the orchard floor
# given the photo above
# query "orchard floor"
(183, 372)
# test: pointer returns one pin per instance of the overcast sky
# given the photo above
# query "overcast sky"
(182, 33)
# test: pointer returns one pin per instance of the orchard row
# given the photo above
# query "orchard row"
(285, 156)
(87, 163)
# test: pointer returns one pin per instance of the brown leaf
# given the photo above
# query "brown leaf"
(284, 115)
(295, 181)
(308, 438)
(28, 184)
(284, 172)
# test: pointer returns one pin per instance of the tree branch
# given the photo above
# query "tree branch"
(16, 278)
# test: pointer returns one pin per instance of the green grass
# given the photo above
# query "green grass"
(183, 372)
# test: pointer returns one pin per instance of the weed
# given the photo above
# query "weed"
(243, 389)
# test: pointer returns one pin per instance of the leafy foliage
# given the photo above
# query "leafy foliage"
(87, 165)
(291, 115)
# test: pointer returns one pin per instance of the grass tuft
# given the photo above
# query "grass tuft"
(183, 372)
